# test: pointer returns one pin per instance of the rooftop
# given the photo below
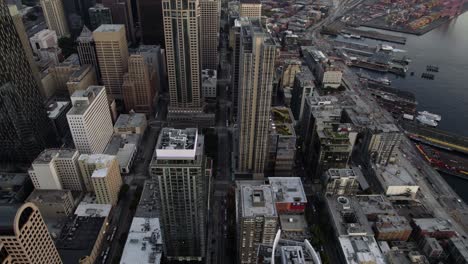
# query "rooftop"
(394, 175)
(250, 2)
(289, 252)
(72, 60)
(54, 109)
(461, 245)
(100, 173)
(102, 159)
(147, 205)
(144, 242)
(130, 120)
(48, 196)
(177, 143)
(348, 217)
(392, 223)
(361, 249)
(293, 223)
(287, 189)
(80, 73)
(109, 28)
(123, 147)
(82, 99)
(256, 200)
(78, 237)
(282, 121)
(48, 155)
(93, 210)
(433, 224)
(343, 173)
(375, 204)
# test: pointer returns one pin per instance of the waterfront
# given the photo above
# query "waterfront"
(447, 95)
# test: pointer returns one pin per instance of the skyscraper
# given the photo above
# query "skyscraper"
(151, 22)
(90, 120)
(99, 15)
(25, 237)
(180, 171)
(55, 16)
(101, 174)
(142, 81)
(257, 57)
(182, 32)
(257, 218)
(56, 169)
(250, 8)
(210, 19)
(112, 54)
(121, 11)
(87, 50)
(24, 130)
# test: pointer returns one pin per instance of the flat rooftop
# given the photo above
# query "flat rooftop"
(147, 205)
(93, 210)
(101, 159)
(361, 249)
(282, 121)
(144, 242)
(72, 60)
(392, 223)
(48, 196)
(375, 205)
(394, 175)
(10, 180)
(348, 217)
(109, 28)
(343, 173)
(130, 120)
(287, 189)
(80, 73)
(47, 155)
(177, 143)
(123, 147)
(82, 99)
(78, 237)
(433, 224)
(56, 108)
(256, 200)
(293, 223)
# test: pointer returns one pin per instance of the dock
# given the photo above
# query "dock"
(445, 161)
(436, 137)
(375, 35)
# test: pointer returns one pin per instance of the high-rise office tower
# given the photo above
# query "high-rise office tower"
(257, 219)
(56, 169)
(19, 25)
(210, 11)
(87, 50)
(122, 14)
(25, 237)
(235, 38)
(179, 168)
(24, 130)
(112, 54)
(257, 57)
(151, 22)
(101, 174)
(250, 8)
(99, 15)
(55, 16)
(90, 120)
(142, 81)
(182, 33)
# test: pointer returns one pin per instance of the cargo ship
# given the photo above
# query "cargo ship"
(445, 161)
(429, 119)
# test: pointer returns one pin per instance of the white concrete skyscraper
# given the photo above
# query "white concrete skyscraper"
(257, 57)
(90, 120)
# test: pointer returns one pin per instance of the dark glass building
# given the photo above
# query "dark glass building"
(24, 125)
(151, 22)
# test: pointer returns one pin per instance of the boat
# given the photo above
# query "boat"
(384, 80)
(346, 36)
(355, 36)
(430, 115)
(385, 47)
(428, 76)
(426, 121)
(432, 68)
